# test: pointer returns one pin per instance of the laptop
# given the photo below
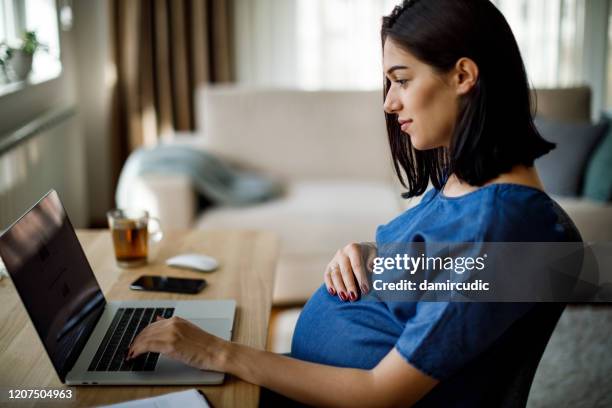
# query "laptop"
(85, 336)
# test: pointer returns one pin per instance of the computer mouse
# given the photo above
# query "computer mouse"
(198, 262)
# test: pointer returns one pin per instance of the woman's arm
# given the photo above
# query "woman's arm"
(393, 382)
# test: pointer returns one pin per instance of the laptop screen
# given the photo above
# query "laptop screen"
(54, 280)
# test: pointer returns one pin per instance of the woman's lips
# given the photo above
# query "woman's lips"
(404, 124)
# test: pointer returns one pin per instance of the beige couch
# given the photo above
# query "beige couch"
(330, 150)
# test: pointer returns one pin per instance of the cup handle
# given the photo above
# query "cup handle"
(156, 234)
(3, 271)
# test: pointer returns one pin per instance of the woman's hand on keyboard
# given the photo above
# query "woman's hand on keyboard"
(181, 340)
(347, 273)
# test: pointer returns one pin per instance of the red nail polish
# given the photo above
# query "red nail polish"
(331, 291)
(343, 296)
(353, 296)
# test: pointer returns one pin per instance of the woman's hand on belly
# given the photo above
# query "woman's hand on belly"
(346, 274)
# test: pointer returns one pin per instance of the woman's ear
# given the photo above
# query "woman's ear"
(465, 75)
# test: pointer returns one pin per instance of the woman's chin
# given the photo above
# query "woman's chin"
(420, 144)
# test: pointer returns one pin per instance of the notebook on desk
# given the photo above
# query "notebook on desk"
(188, 398)
(85, 336)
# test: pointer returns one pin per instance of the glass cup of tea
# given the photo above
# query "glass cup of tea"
(131, 231)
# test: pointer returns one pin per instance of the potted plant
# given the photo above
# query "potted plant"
(5, 55)
(19, 58)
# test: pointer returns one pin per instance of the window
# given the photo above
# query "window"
(550, 35)
(310, 44)
(326, 44)
(19, 16)
(338, 43)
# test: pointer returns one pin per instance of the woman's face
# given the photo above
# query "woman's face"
(425, 102)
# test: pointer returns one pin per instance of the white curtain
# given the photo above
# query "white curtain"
(550, 34)
(338, 43)
(310, 44)
(330, 44)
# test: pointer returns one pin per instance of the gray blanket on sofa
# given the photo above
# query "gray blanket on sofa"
(211, 177)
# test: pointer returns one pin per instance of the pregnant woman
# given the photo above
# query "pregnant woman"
(458, 117)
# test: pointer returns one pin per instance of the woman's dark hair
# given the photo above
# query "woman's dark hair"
(495, 129)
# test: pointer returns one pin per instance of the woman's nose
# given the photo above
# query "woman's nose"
(392, 103)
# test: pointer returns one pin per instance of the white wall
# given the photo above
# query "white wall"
(52, 159)
(95, 78)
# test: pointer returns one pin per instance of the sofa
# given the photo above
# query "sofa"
(329, 149)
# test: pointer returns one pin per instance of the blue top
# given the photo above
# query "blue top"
(476, 350)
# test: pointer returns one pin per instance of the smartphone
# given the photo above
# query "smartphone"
(168, 284)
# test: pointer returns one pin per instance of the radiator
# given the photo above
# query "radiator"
(47, 153)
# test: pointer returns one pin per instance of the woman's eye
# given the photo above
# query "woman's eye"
(401, 82)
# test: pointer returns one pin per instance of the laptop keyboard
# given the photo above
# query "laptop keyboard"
(126, 324)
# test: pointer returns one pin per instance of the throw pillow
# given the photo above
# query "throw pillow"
(563, 169)
(598, 180)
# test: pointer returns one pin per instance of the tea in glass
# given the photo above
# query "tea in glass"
(130, 233)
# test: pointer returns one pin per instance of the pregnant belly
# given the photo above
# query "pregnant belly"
(344, 334)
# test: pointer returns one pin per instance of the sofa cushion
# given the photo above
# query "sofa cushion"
(293, 134)
(562, 170)
(314, 216)
(563, 104)
(313, 220)
(598, 180)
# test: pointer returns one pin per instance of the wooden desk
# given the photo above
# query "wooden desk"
(248, 263)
